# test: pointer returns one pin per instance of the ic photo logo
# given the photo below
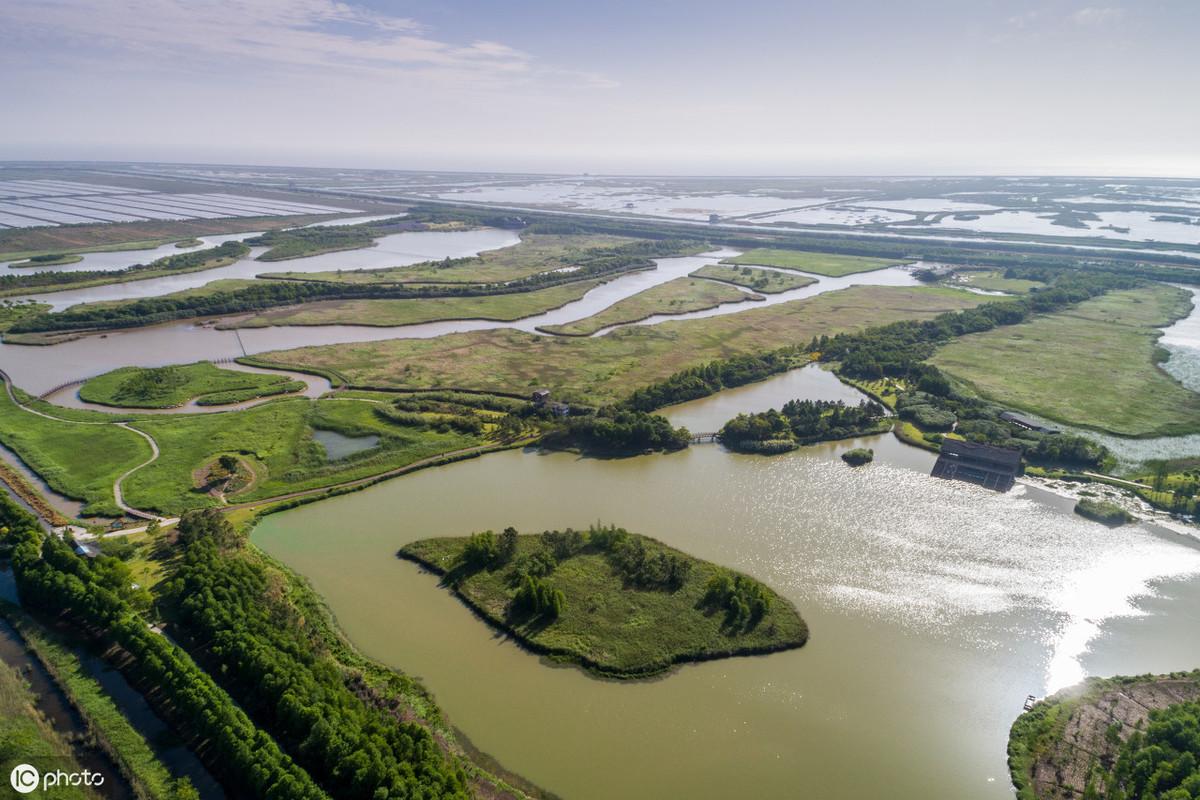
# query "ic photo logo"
(24, 778)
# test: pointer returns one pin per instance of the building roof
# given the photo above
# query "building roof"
(983, 454)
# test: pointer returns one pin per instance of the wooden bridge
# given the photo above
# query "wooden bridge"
(698, 438)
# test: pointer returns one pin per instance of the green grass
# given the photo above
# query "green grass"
(47, 260)
(79, 461)
(536, 253)
(137, 761)
(385, 313)
(608, 368)
(26, 737)
(275, 439)
(169, 387)
(674, 297)
(1091, 365)
(832, 265)
(126, 276)
(12, 312)
(769, 281)
(609, 626)
(994, 281)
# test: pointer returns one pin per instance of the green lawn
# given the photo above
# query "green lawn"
(609, 623)
(769, 281)
(535, 253)
(608, 368)
(169, 387)
(275, 439)
(79, 461)
(11, 312)
(503, 308)
(1091, 365)
(674, 297)
(830, 264)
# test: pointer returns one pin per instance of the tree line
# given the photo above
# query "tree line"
(800, 422)
(264, 294)
(98, 597)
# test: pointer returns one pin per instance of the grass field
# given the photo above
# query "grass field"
(768, 281)
(832, 265)
(608, 368)
(48, 260)
(79, 461)
(535, 253)
(11, 312)
(503, 308)
(609, 625)
(674, 297)
(168, 387)
(994, 281)
(276, 440)
(26, 737)
(1091, 365)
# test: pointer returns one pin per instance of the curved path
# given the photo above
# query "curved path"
(117, 496)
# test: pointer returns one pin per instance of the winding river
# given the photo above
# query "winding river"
(935, 608)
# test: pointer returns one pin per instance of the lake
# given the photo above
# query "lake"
(935, 608)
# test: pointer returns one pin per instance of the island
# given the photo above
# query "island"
(859, 456)
(803, 422)
(175, 386)
(616, 603)
(47, 260)
(1103, 511)
(1110, 738)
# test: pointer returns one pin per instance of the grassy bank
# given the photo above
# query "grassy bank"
(1071, 744)
(274, 441)
(47, 260)
(608, 368)
(619, 603)
(386, 313)
(768, 281)
(27, 738)
(830, 264)
(535, 253)
(1091, 365)
(80, 461)
(170, 387)
(674, 297)
(112, 732)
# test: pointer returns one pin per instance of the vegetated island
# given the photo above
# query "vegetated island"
(616, 603)
(769, 281)
(1103, 511)
(47, 260)
(859, 456)
(1111, 739)
(802, 422)
(174, 386)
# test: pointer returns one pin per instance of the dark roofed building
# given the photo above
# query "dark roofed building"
(990, 467)
(1028, 423)
(540, 397)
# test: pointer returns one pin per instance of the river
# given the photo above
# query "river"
(935, 608)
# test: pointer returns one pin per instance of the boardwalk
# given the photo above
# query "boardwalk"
(698, 438)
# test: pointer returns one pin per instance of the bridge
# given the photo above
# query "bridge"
(698, 438)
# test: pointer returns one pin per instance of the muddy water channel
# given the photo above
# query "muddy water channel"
(935, 608)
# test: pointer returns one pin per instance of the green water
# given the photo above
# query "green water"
(935, 609)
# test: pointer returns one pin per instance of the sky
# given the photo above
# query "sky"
(1092, 87)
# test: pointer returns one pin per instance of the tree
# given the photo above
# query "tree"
(508, 545)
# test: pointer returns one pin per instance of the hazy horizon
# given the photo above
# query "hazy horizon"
(670, 88)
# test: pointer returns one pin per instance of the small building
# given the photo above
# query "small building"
(1029, 424)
(982, 464)
(86, 550)
(559, 409)
(713, 219)
(540, 397)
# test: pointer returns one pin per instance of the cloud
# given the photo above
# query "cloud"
(1094, 16)
(324, 36)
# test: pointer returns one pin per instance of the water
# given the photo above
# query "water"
(33, 369)
(339, 445)
(935, 608)
(397, 250)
